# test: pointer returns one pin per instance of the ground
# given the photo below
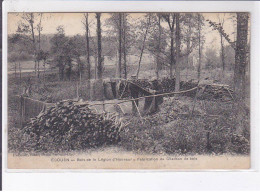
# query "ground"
(212, 128)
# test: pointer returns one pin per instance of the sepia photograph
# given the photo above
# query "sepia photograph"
(124, 90)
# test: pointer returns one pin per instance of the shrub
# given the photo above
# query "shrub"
(169, 132)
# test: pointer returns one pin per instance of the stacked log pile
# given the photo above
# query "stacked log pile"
(124, 92)
(209, 92)
(68, 126)
(220, 92)
(168, 85)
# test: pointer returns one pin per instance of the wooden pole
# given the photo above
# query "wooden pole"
(138, 110)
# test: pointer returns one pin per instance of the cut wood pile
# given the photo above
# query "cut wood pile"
(220, 92)
(167, 85)
(123, 91)
(68, 126)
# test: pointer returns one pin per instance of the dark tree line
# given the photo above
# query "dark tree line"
(169, 37)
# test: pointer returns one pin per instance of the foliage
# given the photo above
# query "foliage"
(211, 59)
(20, 48)
(66, 51)
(59, 43)
(168, 132)
(152, 41)
(42, 55)
(229, 57)
(219, 28)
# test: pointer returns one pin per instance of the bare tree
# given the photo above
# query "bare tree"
(199, 37)
(118, 22)
(124, 25)
(39, 29)
(87, 35)
(143, 46)
(178, 44)
(27, 26)
(120, 44)
(221, 24)
(100, 61)
(170, 19)
(188, 38)
(158, 65)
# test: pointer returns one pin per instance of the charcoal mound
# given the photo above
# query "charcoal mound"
(68, 126)
(217, 92)
(167, 85)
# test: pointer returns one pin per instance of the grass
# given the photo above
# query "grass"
(53, 90)
(172, 131)
(168, 132)
(25, 65)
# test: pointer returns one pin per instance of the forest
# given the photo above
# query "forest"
(200, 60)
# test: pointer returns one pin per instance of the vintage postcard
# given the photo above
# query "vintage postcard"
(157, 90)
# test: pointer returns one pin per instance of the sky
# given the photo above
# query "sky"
(73, 25)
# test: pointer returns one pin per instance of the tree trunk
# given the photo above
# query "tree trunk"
(188, 44)
(95, 66)
(124, 45)
(167, 17)
(222, 55)
(39, 32)
(80, 75)
(188, 53)
(221, 22)
(38, 65)
(20, 72)
(31, 22)
(61, 72)
(199, 66)
(158, 65)
(172, 46)
(240, 55)
(178, 44)
(100, 62)
(172, 55)
(88, 48)
(39, 42)
(79, 69)
(15, 66)
(35, 66)
(120, 45)
(142, 50)
(44, 71)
